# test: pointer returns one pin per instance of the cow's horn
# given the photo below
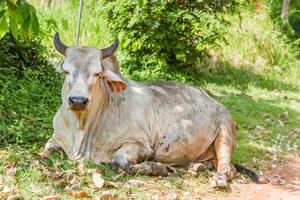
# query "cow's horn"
(110, 50)
(61, 48)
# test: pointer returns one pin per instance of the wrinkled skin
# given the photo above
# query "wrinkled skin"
(139, 127)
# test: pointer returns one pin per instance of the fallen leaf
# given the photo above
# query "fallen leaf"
(70, 172)
(98, 180)
(14, 197)
(54, 197)
(61, 181)
(6, 190)
(90, 171)
(112, 184)
(264, 180)
(9, 169)
(73, 180)
(135, 182)
(278, 180)
(74, 183)
(107, 195)
(82, 168)
(48, 173)
(190, 196)
(77, 194)
(171, 196)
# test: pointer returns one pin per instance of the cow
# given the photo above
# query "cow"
(137, 127)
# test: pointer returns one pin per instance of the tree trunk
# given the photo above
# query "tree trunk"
(285, 10)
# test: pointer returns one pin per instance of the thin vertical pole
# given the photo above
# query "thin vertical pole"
(78, 22)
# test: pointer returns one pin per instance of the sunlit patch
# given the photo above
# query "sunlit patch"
(179, 108)
(137, 90)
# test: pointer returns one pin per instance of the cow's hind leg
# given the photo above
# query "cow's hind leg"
(224, 145)
(130, 157)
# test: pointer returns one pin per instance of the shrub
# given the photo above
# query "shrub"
(29, 89)
(156, 35)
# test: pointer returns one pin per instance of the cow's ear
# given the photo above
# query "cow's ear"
(114, 82)
(59, 68)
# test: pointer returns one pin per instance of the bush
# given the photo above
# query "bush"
(29, 89)
(156, 35)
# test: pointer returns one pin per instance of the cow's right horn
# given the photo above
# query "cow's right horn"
(110, 50)
(61, 48)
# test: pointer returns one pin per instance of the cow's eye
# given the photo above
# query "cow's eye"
(97, 74)
(66, 72)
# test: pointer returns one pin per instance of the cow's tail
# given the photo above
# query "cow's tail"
(253, 175)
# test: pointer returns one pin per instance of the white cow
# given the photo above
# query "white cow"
(137, 127)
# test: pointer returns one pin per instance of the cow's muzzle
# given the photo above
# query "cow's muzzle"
(78, 102)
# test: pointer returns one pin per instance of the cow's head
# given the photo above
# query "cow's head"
(83, 68)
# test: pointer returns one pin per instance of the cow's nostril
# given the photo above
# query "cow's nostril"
(78, 101)
(71, 100)
(85, 101)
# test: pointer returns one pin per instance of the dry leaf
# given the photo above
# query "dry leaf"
(73, 181)
(48, 173)
(70, 172)
(78, 194)
(54, 197)
(82, 168)
(9, 169)
(61, 181)
(112, 184)
(107, 195)
(94, 171)
(135, 182)
(14, 197)
(171, 196)
(190, 196)
(6, 190)
(264, 180)
(98, 180)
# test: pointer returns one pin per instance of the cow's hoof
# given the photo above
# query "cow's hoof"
(219, 181)
(201, 167)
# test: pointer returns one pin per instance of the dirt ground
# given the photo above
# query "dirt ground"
(284, 185)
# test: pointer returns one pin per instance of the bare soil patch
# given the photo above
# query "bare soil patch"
(284, 185)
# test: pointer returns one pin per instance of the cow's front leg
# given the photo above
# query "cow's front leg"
(127, 158)
(50, 147)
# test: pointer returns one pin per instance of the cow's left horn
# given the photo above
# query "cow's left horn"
(110, 50)
(61, 48)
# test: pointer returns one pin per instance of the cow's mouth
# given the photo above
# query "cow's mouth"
(78, 103)
(78, 108)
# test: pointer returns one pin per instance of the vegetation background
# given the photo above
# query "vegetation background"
(242, 52)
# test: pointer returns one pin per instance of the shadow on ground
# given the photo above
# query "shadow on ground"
(227, 75)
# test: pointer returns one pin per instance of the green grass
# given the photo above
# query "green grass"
(255, 77)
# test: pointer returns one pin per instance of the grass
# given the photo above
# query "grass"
(255, 77)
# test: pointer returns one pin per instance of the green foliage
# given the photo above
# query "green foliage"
(18, 17)
(29, 89)
(156, 35)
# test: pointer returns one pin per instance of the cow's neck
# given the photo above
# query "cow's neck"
(86, 120)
